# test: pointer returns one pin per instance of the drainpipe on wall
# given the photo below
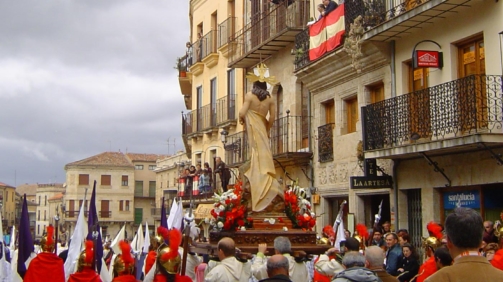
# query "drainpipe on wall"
(395, 162)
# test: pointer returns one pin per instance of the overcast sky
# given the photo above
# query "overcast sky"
(78, 78)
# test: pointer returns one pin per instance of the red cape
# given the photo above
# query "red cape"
(44, 266)
(150, 260)
(427, 269)
(498, 259)
(86, 275)
(125, 278)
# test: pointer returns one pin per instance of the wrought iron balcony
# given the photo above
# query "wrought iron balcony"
(268, 32)
(105, 214)
(189, 122)
(387, 20)
(290, 139)
(326, 143)
(75, 213)
(182, 65)
(206, 117)
(464, 107)
(236, 149)
(226, 31)
(226, 109)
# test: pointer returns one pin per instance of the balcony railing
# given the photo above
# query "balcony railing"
(71, 214)
(264, 28)
(188, 122)
(302, 49)
(206, 117)
(326, 143)
(105, 214)
(290, 134)
(226, 108)
(460, 107)
(205, 46)
(236, 149)
(226, 31)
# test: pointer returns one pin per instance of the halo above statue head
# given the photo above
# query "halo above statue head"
(260, 73)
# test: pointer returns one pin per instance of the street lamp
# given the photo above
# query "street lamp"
(223, 136)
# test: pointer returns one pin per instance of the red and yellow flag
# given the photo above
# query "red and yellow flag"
(326, 34)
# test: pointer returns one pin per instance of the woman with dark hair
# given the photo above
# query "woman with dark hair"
(410, 264)
(210, 172)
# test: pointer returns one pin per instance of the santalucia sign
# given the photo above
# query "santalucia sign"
(366, 182)
(466, 199)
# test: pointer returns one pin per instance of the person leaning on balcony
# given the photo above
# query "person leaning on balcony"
(189, 54)
(204, 183)
(321, 10)
(329, 6)
(223, 171)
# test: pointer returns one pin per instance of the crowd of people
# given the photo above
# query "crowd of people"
(464, 248)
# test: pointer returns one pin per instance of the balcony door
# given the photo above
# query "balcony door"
(279, 126)
(105, 209)
(472, 91)
(419, 103)
(213, 102)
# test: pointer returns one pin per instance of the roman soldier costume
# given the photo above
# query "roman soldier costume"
(47, 263)
(124, 266)
(168, 259)
(85, 268)
(430, 244)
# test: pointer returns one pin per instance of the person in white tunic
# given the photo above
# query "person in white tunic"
(282, 246)
(229, 269)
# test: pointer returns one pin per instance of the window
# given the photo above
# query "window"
(39, 200)
(124, 205)
(45, 204)
(38, 216)
(13, 197)
(38, 228)
(376, 93)
(138, 188)
(138, 167)
(329, 107)
(125, 180)
(352, 114)
(106, 180)
(105, 212)
(6, 196)
(45, 215)
(151, 167)
(151, 188)
(83, 179)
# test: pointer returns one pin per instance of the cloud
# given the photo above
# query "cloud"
(81, 77)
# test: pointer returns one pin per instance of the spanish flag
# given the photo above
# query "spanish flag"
(326, 34)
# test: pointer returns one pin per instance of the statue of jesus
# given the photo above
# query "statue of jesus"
(261, 172)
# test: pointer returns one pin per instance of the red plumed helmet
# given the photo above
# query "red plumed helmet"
(362, 230)
(435, 230)
(329, 231)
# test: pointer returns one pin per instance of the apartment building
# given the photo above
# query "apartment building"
(244, 34)
(7, 205)
(30, 190)
(429, 132)
(125, 190)
(46, 211)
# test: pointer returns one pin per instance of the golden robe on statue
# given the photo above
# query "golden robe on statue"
(261, 173)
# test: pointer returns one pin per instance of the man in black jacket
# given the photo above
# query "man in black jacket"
(330, 5)
(277, 269)
(225, 174)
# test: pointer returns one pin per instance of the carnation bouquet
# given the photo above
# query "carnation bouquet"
(229, 211)
(298, 208)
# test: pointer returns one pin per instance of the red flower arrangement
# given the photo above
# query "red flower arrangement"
(229, 211)
(298, 209)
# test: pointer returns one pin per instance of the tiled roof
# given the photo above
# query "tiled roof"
(28, 189)
(5, 185)
(104, 159)
(145, 157)
(56, 197)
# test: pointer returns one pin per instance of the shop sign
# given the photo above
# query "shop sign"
(428, 59)
(465, 199)
(369, 182)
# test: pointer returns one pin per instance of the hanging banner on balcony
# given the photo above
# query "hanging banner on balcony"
(326, 34)
(428, 59)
